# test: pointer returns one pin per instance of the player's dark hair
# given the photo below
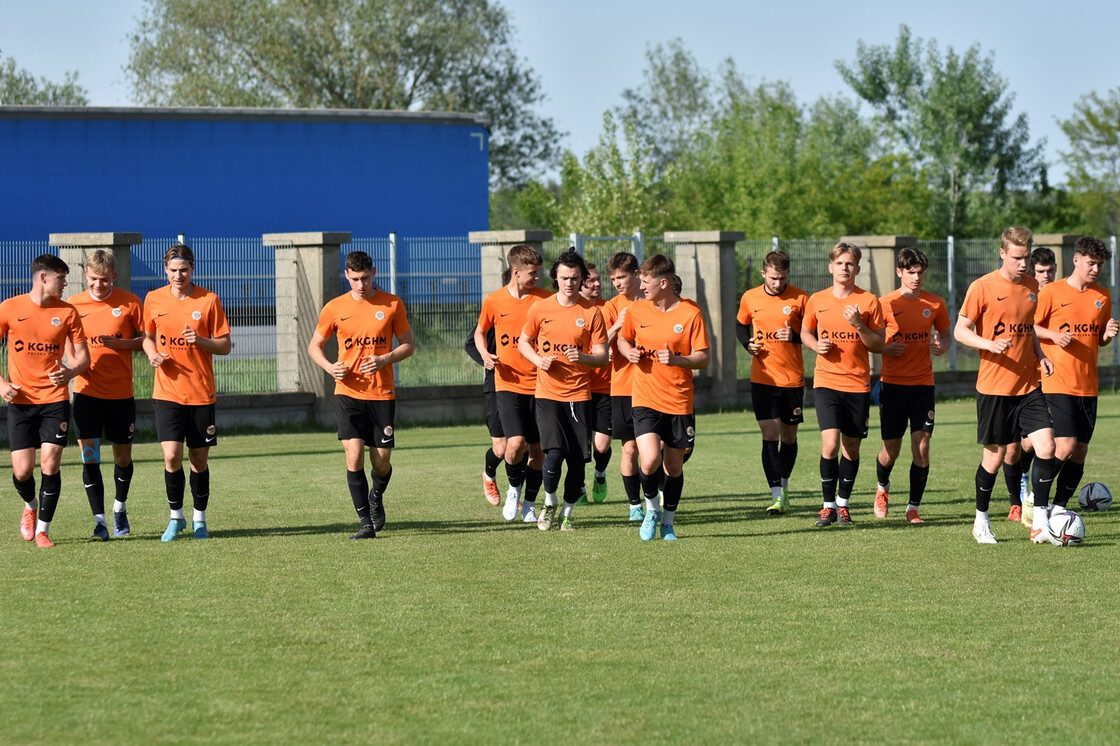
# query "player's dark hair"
(658, 266)
(178, 251)
(909, 258)
(776, 260)
(590, 266)
(1041, 255)
(676, 285)
(507, 273)
(358, 261)
(523, 255)
(1094, 248)
(624, 261)
(49, 263)
(571, 259)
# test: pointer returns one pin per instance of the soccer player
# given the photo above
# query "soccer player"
(664, 339)
(1073, 321)
(906, 396)
(768, 327)
(104, 403)
(366, 320)
(842, 324)
(600, 397)
(38, 326)
(564, 336)
(515, 379)
(184, 327)
(997, 319)
(497, 450)
(622, 268)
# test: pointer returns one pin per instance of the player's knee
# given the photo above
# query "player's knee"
(91, 453)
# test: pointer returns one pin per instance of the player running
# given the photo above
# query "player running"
(665, 339)
(38, 326)
(600, 397)
(917, 327)
(104, 403)
(768, 327)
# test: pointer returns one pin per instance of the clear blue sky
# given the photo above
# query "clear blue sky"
(587, 51)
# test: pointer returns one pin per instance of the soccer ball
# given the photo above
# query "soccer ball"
(1066, 529)
(1095, 496)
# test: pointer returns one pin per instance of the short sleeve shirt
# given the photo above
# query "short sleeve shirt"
(506, 316)
(665, 388)
(364, 327)
(553, 330)
(1084, 314)
(847, 366)
(622, 372)
(781, 363)
(909, 321)
(36, 344)
(121, 315)
(999, 309)
(187, 375)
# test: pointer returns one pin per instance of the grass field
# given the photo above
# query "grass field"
(455, 627)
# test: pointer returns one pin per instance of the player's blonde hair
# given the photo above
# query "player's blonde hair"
(1017, 235)
(845, 248)
(102, 262)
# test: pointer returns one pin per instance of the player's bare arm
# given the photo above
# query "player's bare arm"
(1045, 362)
(612, 333)
(695, 360)
(965, 333)
(404, 349)
(77, 357)
(489, 359)
(525, 347)
(1111, 329)
(597, 358)
(872, 339)
(810, 340)
(627, 349)
(214, 345)
(336, 370)
(112, 342)
(940, 342)
(149, 346)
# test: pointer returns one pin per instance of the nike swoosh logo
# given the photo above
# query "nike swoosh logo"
(386, 440)
(84, 315)
(161, 314)
(820, 311)
(344, 318)
(1003, 298)
(1064, 305)
(756, 310)
(546, 321)
(89, 485)
(503, 315)
(643, 326)
(899, 313)
(122, 480)
(25, 318)
(210, 440)
(60, 435)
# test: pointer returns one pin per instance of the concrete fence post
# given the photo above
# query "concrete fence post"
(706, 265)
(1062, 246)
(307, 276)
(494, 247)
(75, 248)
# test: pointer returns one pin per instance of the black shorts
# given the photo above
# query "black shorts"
(493, 420)
(778, 403)
(518, 415)
(115, 418)
(601, 413)
(565, 426)
(675, 430)
(846, 411)
(368, 420)
(1073, 416)
(901, 405)
(1000, 420)
(193, 423)
(622, 418)
(31, 425)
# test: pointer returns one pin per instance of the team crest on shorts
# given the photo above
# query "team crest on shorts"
(1098, 303)
(196, 315)
(678, 328)
(56, 321)
(580, 322)
(787, 310)
(380, 316)
(62, 426)
(796, 411)
(926, 313)
(690, 432)
(929, 415)
(132, 428)
(388, 431)
(211, 430)
(1033, 297)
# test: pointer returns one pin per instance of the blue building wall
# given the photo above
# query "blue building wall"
(240, 173)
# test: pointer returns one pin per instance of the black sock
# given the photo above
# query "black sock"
(787, 457)
(1026, 458)
(633, 486)
(883, 473)
(830, 473)
(515, 473)
(1011, 477)
(651, 483)
(674, 486)
(175, 482)
(200, 489)
(122, 477)
(380, 483)
(25, 489)
(985, 482)
(1068, 478)
(359, 494)
(918, 477)
(95, 487)
(848, 471)
(602, 459)
(49, 489)
(553, 464)
(1047, 469)
(533, 480)
(771, 463)
(573, 480)
(492, 463)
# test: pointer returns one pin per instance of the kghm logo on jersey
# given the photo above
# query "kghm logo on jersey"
(196, 315)
(380, 316)
(678, 328)
(580, 322)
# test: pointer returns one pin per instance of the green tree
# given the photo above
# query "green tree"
(951, 114)
(1093, 159)
(18, 87)
(452, 55)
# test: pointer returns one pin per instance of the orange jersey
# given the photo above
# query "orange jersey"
(36, 343)
(601, 377)
(846, 367)
(1082, 313)
(364, 328)
(187, 375)
(119, 315)
(1000, 308)
(909, 322)
(506, 316)
(622, 372)
(553, 329)
(665, 388)
(780, 363)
